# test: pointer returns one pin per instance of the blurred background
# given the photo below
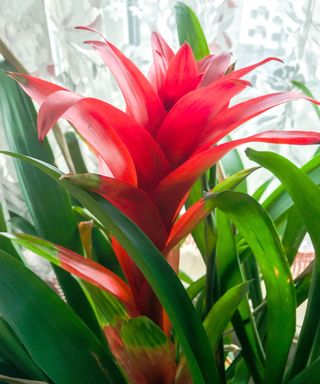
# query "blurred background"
(40, 34)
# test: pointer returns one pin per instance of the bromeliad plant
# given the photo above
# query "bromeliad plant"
(138, 324)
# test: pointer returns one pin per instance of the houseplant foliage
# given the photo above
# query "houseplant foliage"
(113, 237)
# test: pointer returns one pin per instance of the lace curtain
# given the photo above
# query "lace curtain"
(41, 34)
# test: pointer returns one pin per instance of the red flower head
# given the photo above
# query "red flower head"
(151, 155)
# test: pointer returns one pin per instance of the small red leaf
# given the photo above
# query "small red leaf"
(179, 134)
(229, 119)
(162, 55)
(173, 189)
(132, 201)
(215, 67)
(182, 76)
(143, 104)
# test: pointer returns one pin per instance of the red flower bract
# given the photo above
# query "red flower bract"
(152, 154)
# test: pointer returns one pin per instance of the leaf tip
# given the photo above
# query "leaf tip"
(85, 180)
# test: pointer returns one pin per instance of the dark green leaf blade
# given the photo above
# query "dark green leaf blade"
(48, 204)
(75, 152)
(306, 197)
(59, 342)
(310, 375)
(189, 29)
(258, 230)
(294, 233)
(15, 380)
(279, 201)
(230, 274)
(12, 349)
(232, 163)
(222, 312)
(6, 244)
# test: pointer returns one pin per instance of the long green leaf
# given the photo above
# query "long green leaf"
(6, 244)
(12, 349)
(49, 205)
(232, 163)
(58, 341)
(189, 29)
(196, 287)
(222, 312)
(75, 152)
(259, 232)
(279, 201)
(199, 232)
(161, 277)
(310, 375)
(19, 122)
(230, 274)
(294, 233)
(15, 380)
(261, 190)
(306, 197)
(20, 223)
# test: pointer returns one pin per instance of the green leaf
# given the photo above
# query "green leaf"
(51, 211)
(302, 284)
(142, 332)
(6, 244)
(232, 163)
(251, 272)
(104, 252)
(241, 374)
(75, 152)
(147, 355)
(9, 369)
(19, 121)
(258, 230)
(21, 224)
(221, 313)
(306, 197)
(161, 277)
(199, 232)
(189, 29)
(230, 274)
(15, 380)
(234, 180)
(190, 222)
(227, 263)
(108, 309)
(76, 264)
(310, 375)
(279, 201)
(261, 190)
(185, 277)
(12, 350)
(294, 233)
(58, 341)
(196, 287)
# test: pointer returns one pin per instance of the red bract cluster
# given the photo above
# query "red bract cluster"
(152, 154)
